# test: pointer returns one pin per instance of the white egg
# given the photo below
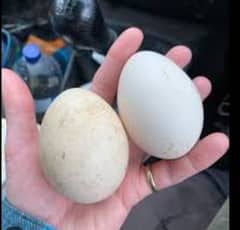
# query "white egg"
(159, 105)
(83, 147)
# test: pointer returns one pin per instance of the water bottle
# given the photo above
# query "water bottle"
(42, 74)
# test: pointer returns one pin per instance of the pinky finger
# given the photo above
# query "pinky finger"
(203, 85)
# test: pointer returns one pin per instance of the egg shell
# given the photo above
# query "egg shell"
(159, 105)
(83, 147)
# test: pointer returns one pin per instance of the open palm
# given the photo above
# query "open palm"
(27, 188)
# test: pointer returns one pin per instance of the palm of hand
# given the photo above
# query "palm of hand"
(27, 188)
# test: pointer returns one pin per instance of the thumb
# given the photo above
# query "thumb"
(22, 132)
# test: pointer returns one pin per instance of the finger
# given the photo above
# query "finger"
(181, 55)
(20, 116)
(203, 85)
(105, 81)
(170, 172)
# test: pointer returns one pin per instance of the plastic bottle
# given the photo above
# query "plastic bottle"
(42, 74)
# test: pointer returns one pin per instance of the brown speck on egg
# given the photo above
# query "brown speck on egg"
(63, 155)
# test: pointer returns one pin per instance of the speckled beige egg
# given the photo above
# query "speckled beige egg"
(83, 147)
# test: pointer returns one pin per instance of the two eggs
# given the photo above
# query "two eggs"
(84, 149)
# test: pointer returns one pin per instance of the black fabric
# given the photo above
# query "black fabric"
(186, 206)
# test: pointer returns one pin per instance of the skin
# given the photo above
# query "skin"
(28, 190)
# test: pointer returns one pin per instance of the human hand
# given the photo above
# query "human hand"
(26, 186)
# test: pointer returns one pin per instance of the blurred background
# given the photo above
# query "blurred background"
(76, 45)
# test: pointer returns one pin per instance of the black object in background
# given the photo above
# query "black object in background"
(198, 10)
(81, 23)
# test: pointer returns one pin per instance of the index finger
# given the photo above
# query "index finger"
(105, 81)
